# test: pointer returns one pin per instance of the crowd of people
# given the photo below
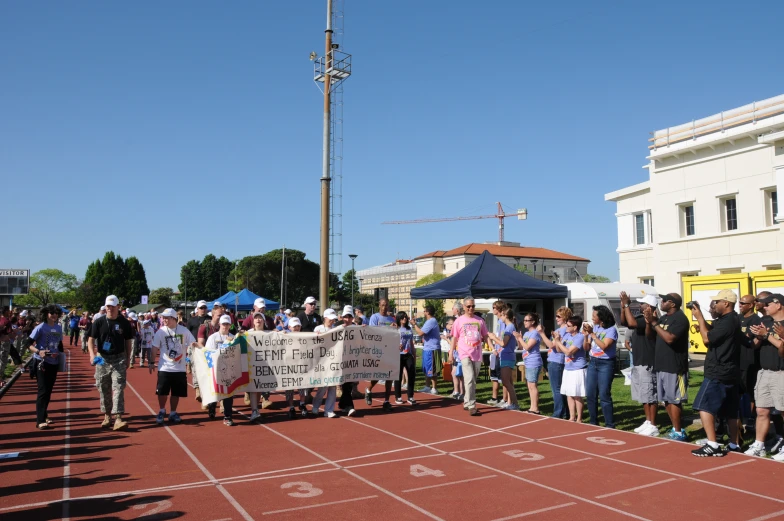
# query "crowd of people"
(743, 386)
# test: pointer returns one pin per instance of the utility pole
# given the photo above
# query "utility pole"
(325, 179)
(352, 256)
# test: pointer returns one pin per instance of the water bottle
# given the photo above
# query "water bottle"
(98, 360)
(187, 360)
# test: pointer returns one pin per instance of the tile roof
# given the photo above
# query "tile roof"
(504, 251)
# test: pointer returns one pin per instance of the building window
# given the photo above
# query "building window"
(687, 220)
(639, 229)
(729, 210)
(648, 281)
(771, 207)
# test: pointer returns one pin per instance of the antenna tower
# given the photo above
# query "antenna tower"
(336, 153)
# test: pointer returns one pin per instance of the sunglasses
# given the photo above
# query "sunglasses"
(746, 303)
(527, 320)
(470, 307)
(202, 307)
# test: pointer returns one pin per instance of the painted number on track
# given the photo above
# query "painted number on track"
(155, 507)
(523, 456)
(605, 441)
(420, 471)
(304, 489)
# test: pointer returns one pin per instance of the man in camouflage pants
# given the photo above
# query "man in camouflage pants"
(111, 337)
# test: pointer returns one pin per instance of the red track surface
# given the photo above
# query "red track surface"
(499, 466)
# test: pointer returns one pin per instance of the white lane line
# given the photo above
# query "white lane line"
(523, 424)
(638, 448)
(553, 465)
(450, 483)
(198, 463)
(372, 455)
(485, 433)
(268, 472)
(504, 445)
(532, 512)
(624, 491)
(566, 435)
(319, 505)
(232, 481)
(488, 429)
(768, 516)
(66, 514)
(722, 467)
(392, 461)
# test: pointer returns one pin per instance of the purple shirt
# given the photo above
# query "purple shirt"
(508, 351)
(577, 360)
(553, 355)
(531, 356)
(610, 332)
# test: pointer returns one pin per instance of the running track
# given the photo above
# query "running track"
(431, 462)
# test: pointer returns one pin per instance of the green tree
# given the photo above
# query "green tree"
(215, 275)
(349, 278)
(48, 287)
(595, 278)
(429, 279)
(90, 291)
(136, 284)
(161, 296)
(261, 275)
(438, 304)
(191, 282)
(112, 280)
(523, 269)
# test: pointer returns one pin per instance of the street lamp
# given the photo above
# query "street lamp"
(534, 261)
(352, 256)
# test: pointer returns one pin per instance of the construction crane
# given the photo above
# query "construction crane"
(521, 215)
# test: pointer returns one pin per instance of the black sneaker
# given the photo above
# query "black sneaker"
(368, 397)
(411, 401)
(706, 451)
(292, 413)
(773, 446)
(387, 406)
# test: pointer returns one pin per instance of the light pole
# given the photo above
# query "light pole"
(352, 256)
(534, 261)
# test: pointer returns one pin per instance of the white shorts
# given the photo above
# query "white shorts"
(573, 382)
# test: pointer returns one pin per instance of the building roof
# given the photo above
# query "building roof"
(503, 251)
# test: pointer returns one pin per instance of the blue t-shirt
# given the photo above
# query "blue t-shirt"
(508, 351)
(406, 340)
(74, 323)
(49, 339)
(553, 354)
(432, 335)
(381, 320)
(577, 360)
(532, 357)
(610, 332)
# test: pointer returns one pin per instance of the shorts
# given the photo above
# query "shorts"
(174, 383)
(508, 363)
(672, 388)
(532, 373)
(573, 382)
(644, 384)
(428, 363)
(720, 400)
(769, 391)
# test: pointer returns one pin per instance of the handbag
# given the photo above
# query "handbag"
(446, 371)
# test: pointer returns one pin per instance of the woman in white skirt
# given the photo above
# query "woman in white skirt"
(573, 383)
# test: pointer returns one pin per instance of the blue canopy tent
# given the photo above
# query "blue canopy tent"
(244, 300)
(488, 277)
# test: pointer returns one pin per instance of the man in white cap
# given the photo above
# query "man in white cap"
(194, 323)
(218, 340)
(172, 341)
(111, 337)
(207, 329)
(258, 305)
(330, 319)
(309, 318)
(346, 402)
(643, 376)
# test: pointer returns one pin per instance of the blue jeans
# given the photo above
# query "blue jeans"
(598, 384)
(555, 374)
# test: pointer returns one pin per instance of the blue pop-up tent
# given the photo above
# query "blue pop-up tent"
(488, 277)
(244, 301)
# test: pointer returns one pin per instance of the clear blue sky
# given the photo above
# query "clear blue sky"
(171, 130)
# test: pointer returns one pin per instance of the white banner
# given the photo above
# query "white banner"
(270, 361)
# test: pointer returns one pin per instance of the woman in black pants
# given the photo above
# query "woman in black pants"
(47, 345)
(407, 361)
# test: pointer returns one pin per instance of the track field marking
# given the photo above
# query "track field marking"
(722, 467)
(231, 481)
(635, 488)
(768, 516)
(67, 443)
(502, 446)
(318, 505)
(450, 483)
(393, 461)
(637, 448)
(553, 465)
(371, 455)
(532, 512)
(193, 458)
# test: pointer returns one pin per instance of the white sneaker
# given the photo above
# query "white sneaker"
(651, 430)
(702, 442)
(330, 415)
(382, 382)
(759, 452)
(433, 391)
(779, 456)
(350, 412)
(424, 390)
(642, 427)
(502, 404)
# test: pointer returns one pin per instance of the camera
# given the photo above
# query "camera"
(692, 304)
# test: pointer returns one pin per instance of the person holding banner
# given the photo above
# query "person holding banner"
(259, 324)
(221, 339)
(346, 403)
(295, 326)
(172, 341)
(407, 362)
(330, 319)
(207, 328)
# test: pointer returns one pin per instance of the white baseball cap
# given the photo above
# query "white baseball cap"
(347, 310)
(103, 308)
(112, 300)
(169, 312)
(217, 304)
(310, 300)
(23, 313)
(201, 303)
(330, 314)
(288, 312)
(132, 315)
(225, 319)
(260, 304)
(258, 312)
(650, 300)
(294, 321)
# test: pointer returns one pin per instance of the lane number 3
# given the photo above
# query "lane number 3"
(304, 489)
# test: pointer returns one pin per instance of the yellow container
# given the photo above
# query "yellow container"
(702, 288)
(770, 280)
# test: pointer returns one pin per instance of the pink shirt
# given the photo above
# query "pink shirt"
(469, 332)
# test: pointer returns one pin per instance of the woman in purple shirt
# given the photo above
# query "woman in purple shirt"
(506, 339)
(573, 383)
(555, 361)
(600, 338)
(529, 344)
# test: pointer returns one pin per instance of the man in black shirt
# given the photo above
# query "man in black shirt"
(643, 376)
(309, 318)
(749, 357)
(718, 395)
(194, 323)
(769, 392)
(671, 334)
(111, 337)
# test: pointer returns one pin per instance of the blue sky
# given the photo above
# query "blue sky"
(171, 130)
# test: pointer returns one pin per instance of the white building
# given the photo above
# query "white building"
(709, 204)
